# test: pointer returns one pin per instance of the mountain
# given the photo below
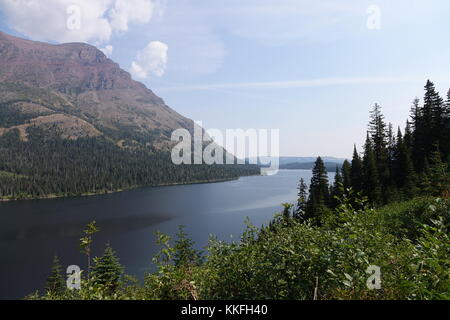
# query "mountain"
(330, 166)
(77, 89)
(288, 160)
(299, 162)
(73, 122)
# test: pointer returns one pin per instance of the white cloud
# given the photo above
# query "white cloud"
(108, 50)
(48, 20)
(75, 20)
(126, 11)
(152, 59)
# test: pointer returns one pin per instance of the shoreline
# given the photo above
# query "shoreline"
(105, 192)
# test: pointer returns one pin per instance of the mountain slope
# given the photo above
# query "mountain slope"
(75, 79)
(72, 122)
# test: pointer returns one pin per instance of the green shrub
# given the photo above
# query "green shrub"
(290, 259)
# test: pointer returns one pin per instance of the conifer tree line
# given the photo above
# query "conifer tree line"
(47, 165)
(394, 165)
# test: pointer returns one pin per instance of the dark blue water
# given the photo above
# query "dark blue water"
(32, 232)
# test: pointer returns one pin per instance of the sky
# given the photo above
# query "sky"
(312, 69)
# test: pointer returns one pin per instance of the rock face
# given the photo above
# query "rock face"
(77, 89)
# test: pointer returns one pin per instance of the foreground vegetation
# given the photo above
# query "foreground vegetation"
(291, 259)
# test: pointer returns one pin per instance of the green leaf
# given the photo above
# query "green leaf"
(349, 277)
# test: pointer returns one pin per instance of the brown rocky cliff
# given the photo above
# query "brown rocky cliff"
(77, 79)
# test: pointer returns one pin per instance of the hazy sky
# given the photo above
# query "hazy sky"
(312, 69)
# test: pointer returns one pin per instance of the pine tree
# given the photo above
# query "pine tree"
(445, 139)
(396, 165)
(107, 270)
(378, 135)
(404, 169)
(439, 176)
(356, 172)
(418, 135)
(407, 139)
(409, 175)
(372, 185)
(302, 199)
(346, 175)
(391, 146)
(433, 113)
(56, 284)
(319, 194)
(390, 141)
(336, 189)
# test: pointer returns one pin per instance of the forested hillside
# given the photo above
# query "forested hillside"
(47, 165)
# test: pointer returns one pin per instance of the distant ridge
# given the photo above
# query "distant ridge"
(287, 160)
(330, 166)
(301, 162)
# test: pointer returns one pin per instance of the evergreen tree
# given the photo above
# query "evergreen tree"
(107, 270)
(319, 195)
(336, 189)
(346, 175)
(372, 185)
(396, 164)
(391, 146)
(433, 113)
(391, 141)
(445, 139)
(418, 135)
(424, 178)
(56, 284)
(438, 133)
(409, 175)
(378, 135)
(356, 172)
(407, 139)
(404, 168)
(302, 199)
(438, 174)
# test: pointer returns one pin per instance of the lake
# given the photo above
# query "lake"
(32, 232)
